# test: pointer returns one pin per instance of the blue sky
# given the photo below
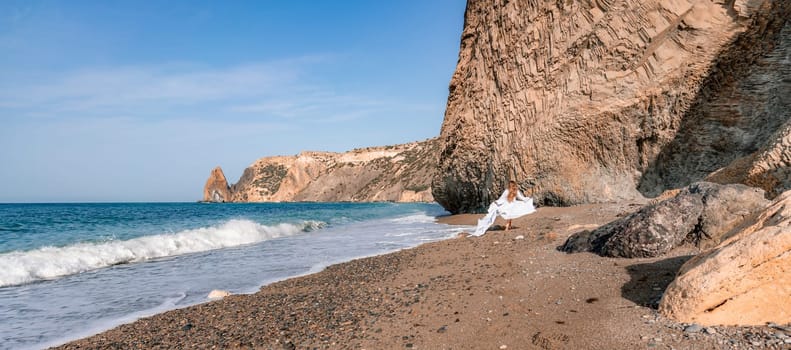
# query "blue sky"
(139, 100)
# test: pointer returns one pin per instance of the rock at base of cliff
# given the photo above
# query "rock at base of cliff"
(746, 280)
(701, 214)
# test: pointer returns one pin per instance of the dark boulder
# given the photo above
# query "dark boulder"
(654, 230)
(701, 214)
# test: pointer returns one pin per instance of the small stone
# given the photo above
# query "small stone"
(693, 328)
(710, 330)
(519, 237)
(787, 340)
(645, 337)
(756, 343)
(442, 329)
(558, 302)
(658, 340)
(503, 346)
(187, 327)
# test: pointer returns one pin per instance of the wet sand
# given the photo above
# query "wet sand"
(504, 290)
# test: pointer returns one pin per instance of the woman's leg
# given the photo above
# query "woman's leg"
(508, 225)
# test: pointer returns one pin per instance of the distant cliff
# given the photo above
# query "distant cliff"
(596, 101)
(216, 188)
(400, 173)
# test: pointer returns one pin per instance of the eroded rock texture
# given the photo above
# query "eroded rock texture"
(769, 168)
(216, 188)
(400, 173)
(609, 100)
(702, 214)
(746, 280)
(741, 121)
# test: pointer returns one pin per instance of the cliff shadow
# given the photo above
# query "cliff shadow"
(718, 128)
(648, 281)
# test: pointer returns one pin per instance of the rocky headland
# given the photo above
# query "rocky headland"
(399, 173)
(585, 102)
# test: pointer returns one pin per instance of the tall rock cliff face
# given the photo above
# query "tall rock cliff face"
(216, 188)
(596, 101)
(400, 173)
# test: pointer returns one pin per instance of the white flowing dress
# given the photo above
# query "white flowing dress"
(507, 210)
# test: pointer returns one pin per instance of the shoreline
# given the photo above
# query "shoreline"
(511, 289)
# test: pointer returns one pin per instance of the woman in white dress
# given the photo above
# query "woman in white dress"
(511, 205)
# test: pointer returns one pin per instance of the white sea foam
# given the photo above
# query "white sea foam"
(51, 262)
(413, 219)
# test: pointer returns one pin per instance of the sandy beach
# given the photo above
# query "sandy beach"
(504, 290)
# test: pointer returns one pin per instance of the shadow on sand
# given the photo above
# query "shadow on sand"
(649, 281)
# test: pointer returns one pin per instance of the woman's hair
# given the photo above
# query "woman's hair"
(512, 189)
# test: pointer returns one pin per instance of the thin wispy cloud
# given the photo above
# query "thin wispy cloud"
(317, 103)
(280, 89)
(119, 87)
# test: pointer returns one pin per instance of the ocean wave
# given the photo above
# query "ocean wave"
(52, 262)
(413, 219)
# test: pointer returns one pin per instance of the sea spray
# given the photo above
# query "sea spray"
(52, 262)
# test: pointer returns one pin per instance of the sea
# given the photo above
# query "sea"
(72, 270)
